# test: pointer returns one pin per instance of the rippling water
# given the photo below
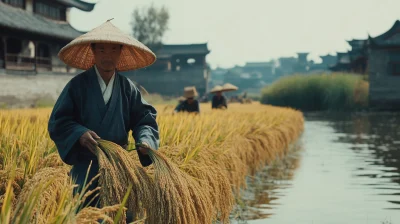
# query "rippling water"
(348, 171)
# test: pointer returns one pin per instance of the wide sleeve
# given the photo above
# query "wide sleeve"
(143, 124)
(63, 128)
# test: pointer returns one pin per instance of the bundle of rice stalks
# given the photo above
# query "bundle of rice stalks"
(41, 195)
(11, 182)
(215, 181)
(90, 215)
(50, 160)
(180, 198)
(212, 168)
(172, 197)
(117, 172)
(17, 175)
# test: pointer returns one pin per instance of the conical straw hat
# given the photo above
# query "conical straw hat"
(229, 87)
(134, 54)
(190, 92)
(216, 89)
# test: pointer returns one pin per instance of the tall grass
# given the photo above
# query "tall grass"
(216, 150)
(318, 92)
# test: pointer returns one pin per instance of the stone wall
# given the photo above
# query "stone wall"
(20, 89)
(28, 90)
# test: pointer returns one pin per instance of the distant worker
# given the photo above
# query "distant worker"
(190, 104)
(219, 100)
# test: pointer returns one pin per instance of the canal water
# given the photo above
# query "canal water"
(345, 169)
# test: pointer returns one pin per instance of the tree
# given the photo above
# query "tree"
(150, 24)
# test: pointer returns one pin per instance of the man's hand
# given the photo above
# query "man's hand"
(88, 141)
(144, 149)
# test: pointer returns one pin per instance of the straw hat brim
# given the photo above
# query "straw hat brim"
(190, 95)
(229, 87)
(134, 54)
(216, 89)
(190, 92)
(228, 90)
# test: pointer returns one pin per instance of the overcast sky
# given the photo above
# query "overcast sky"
(239, 31)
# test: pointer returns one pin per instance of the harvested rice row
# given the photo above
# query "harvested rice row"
(223, 146)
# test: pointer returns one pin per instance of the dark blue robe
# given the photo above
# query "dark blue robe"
(186, 107)
(81, 107)
(218, 101)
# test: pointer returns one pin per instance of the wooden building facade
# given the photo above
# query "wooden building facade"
(33, 31)
(384, 69)
(353, 61)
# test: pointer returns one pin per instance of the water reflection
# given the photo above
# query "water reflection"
(266, 187)
(349, 173)
(375, 137)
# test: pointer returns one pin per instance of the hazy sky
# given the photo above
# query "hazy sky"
(256, 30)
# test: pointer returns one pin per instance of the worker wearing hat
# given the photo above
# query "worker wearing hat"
(190, 104)
(100, 102)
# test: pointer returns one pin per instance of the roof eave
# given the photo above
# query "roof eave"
(384, 35)
(57, 37)
(84, 6)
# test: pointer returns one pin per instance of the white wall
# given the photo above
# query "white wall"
(23, 90)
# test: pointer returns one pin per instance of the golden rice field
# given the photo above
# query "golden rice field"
(202, 163)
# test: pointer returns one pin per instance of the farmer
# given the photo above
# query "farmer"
(218, 100)
(100, 102)
(190, 104)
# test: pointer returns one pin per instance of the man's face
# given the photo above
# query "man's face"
(106, 56)
(219, 94)
(190, 100)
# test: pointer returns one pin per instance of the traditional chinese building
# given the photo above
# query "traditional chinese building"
(342, 62)
(251, 77)
(265, 70)
(33, 31)
(303, 65)
(328, 61)
(176, 66)
(358, 56)
(286, 65)
(384, 69)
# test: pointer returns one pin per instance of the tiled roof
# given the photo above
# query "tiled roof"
(22, 20)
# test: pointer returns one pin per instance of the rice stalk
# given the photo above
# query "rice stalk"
(90, 215)
(119, 171)
(180, 198)
(48, 184)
